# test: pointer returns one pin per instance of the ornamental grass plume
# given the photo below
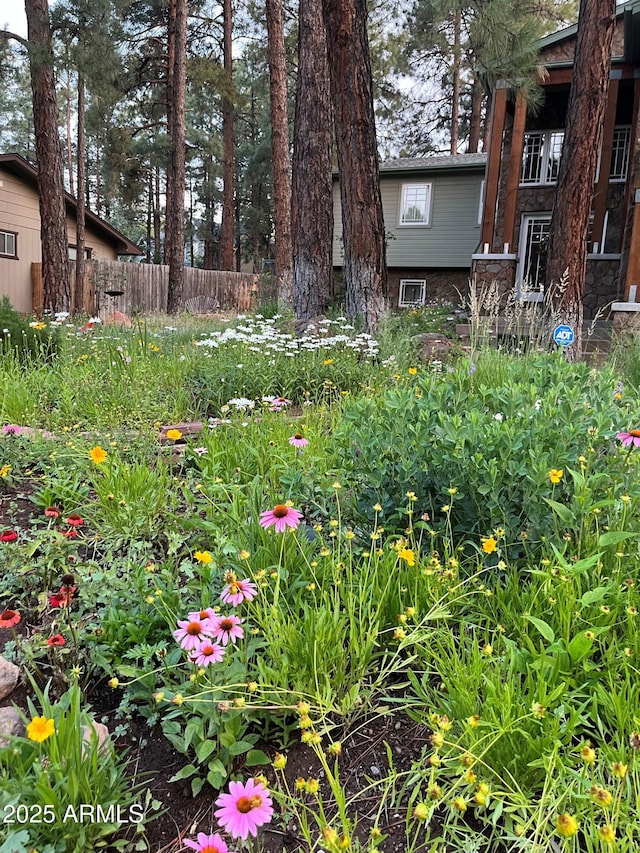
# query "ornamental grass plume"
(246, 807)
(40, 728)
(281, 516)
(207, 844)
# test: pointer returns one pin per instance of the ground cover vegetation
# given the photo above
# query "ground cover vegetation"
(352, 535)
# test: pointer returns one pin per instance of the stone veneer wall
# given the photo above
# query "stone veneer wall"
(499, 270)
(443, 285)
(601, 286)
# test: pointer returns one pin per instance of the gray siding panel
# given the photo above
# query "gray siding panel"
(454, 232)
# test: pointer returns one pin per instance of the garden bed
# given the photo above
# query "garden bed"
(393, 601)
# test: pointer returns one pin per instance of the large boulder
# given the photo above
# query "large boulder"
(9, 674)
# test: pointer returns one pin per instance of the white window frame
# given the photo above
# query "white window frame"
(549, 144)
(528, 219)
(537, 295)
(10, 237)
(406, 201)
(404, 303)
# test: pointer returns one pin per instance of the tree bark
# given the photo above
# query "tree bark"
(169, 188)
(455, 73)
(178, 151)
(475, 122)
(365, 268)
(280, 151)
(312, 189)
(80, 202)
(228, 194)
(567, 254)
(53, 226)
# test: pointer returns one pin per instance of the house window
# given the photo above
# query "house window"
(542, 150)
(620, 153)
(412, 293)
(415, 204)
(8, 244)
(534, 245)
(541, 156)
(73, 253)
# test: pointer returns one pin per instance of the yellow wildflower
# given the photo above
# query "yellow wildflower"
(566, 825)
(489, 544)
(40, 728)
(97, 454)
(555, 475)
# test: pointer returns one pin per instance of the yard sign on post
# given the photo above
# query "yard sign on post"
(563, 335)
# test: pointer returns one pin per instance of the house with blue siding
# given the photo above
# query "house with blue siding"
(432, 215)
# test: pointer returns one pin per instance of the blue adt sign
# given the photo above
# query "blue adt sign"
(564, 335)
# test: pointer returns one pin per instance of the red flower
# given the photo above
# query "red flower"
(9, 618)
(62, 598)
(71, 533)
(8, 536)
(56, 640)
(52, 512)
(75, 520)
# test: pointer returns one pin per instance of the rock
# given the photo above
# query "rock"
(103, 735)
(118, 319)
(11, 725)
(9, 674)
(434, 346)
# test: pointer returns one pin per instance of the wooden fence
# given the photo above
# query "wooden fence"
(142, 288)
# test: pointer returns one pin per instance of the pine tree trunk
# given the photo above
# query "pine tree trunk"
(312, 190)
(169, 188)
(53, 226)
(567, 254)
(80, 206)
(178, 151)
(476, 117)
(226, 237)
(280, 152)
(455, 73)
(365, 268)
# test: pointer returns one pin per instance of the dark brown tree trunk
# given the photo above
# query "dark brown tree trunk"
(365, 268)
(455, 73)
(157, 222)
(312, 190)
(567, 257)
(280, 151)
(53, 225)
(228, 194)
(169, 187)
(79, 306)
(69, 144)
(475, 122)
(149, 218)
(175, 214)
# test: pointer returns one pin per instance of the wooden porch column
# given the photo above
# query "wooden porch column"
(600, 196)
(515, 169)
(631, 172)
(492, 178)
(633, 264)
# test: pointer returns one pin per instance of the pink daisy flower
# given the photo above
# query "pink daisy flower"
(191, 631)
(207, 844)
(227, 628)
(631, 437)
(244, 808)
(235, 592)
(298, 440)
(282, 516)
(207, 653)
(203, 615)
